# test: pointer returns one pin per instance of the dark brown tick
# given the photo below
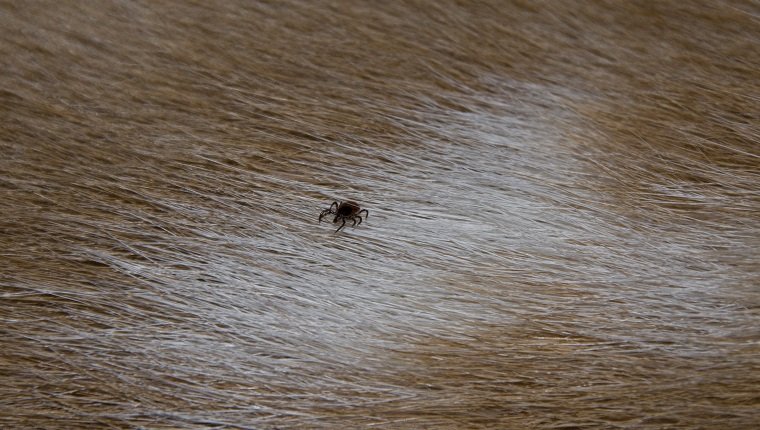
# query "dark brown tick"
(343, 211)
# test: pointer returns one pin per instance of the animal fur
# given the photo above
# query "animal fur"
(565, 201)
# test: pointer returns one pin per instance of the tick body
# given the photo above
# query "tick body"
(343, 211)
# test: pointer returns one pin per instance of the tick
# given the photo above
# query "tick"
(343, 211)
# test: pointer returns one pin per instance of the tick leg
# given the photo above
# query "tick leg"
(325, 212)
(365, 211)
(360, 220)
(334, 204)
(354, 224)
(341, 226)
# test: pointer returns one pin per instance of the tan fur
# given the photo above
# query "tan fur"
(565, 201)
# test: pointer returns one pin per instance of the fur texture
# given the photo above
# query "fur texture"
(565, 201)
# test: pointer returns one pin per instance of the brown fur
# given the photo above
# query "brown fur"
(565, 214)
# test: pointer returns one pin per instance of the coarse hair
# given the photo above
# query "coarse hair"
(565, 204)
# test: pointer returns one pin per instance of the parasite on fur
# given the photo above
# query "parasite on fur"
(343, 211)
